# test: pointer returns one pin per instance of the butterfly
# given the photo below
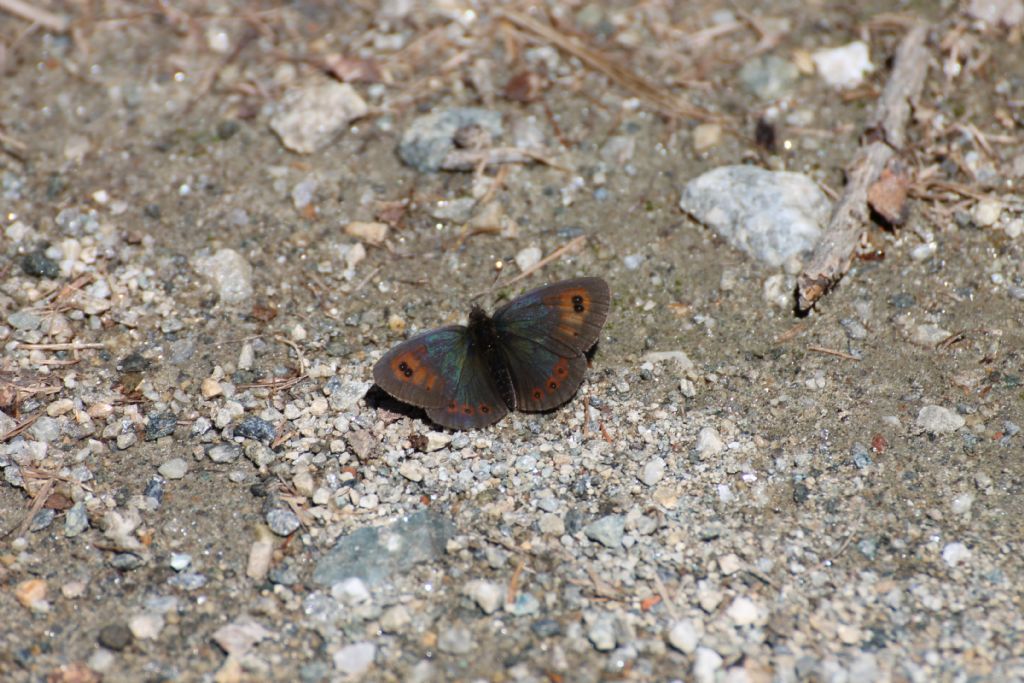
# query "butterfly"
(528, 356)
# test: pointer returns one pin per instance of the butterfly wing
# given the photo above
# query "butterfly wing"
(475, 401)
(424, 371)
(438, 370)
(565, 317)
(544, 334)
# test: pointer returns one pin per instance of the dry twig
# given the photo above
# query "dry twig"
(834, 252)
(58, 23)
(656, 97)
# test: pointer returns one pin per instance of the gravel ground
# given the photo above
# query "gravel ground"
(209, 238)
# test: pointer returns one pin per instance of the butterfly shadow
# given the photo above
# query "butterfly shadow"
(377, 398)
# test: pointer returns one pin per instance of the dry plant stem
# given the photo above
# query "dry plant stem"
(557, 253)
(656, 97)
(849, 223)
(28, 11)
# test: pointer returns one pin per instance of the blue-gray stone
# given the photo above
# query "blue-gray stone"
(42, 519)
(76, 520)
(429, 138)
(38, 264)
(768, 76)
(770, 215)
(608, 530)
(861, 457)
(160, 424)
(252, 427)
(375, 554)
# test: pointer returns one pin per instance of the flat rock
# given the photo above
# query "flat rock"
(310, 117)
(939, 420)
(429, 138)
(771, 216)
(375, 554)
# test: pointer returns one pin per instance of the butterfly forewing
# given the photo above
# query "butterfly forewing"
(424, 371)
(475, 401)
(565, 317)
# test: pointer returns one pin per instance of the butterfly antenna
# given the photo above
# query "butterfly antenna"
(499, 266)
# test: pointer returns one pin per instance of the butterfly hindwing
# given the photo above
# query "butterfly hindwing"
(424, 371)
(542, 378)
(475, 401)
(565, 317)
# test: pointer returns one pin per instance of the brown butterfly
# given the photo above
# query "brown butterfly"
(528, 356)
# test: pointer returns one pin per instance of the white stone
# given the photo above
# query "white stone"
(987, 212)
(353, 660)
(709, 442)
(939, 420)
(395, 619)
(684, 637)
(488, 596)
(962, 504)
(653, 472)
(351, 591)
(175, 468)
(706, 663)
(412, 470)
(955, 553)
(729, 564)
(844, 67)
(529, 257)
(146, 626)
(743, 611)
(230, 273)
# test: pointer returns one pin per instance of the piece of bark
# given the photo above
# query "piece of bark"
(884, 138)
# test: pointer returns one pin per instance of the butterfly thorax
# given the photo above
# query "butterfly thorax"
(485, 340)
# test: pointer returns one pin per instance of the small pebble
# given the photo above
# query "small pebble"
(353, 660)
(529, 257)
(709, 442)
(743, 611)
(115, 637)
(683, 636)
(180, 561)
(706, 663)
(412, 470)
(31, 593)
(955, 553)
(395, 619)
(175, 468)
(602, 635)
(653, 472)
(457, 640)
(608, 530)
(844, 67)
(939, 420)
(487, 596)
(282, 522)
(146, 626)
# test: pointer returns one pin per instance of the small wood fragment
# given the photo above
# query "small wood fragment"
(849, 223)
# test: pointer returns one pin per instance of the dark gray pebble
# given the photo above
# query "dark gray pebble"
(38, 264)
(160, 424)
(115, 637)
(257, 428)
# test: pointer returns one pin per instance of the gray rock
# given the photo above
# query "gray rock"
(160, 424)
(457, 640)
(42, 519)
(45, 429)
(683, 636)
(488, 596)
(374, 554)
(769, 77)
(353, 660)
(230, 273)
(76, 520)
(224, 453)
(608, 530)
(175, 468)
(602, 635)
(771, 216)
(38, 264)
(282, 521)
(939, 420)
(429, 138)
(653, 471)
(311, 117)
(24, 321)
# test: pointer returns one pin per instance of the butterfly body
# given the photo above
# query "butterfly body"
(528, 356)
